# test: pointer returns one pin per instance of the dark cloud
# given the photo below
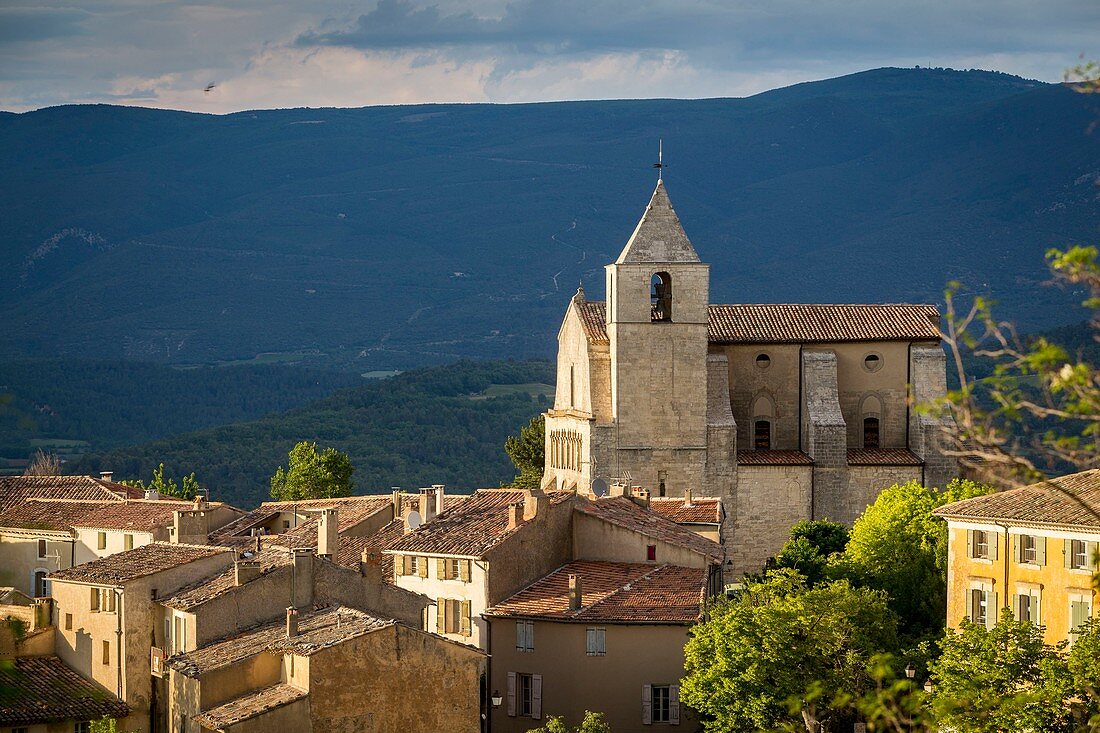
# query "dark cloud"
(38, 24)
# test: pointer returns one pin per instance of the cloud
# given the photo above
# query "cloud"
(23, 25)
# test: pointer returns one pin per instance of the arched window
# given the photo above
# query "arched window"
(762, 435)
(870, 432)
(661, 297)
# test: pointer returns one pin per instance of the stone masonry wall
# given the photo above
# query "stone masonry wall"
(928, 376)
(824, 433)
(769, 500)
(865, 483)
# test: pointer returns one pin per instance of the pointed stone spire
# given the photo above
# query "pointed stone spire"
(659, 237)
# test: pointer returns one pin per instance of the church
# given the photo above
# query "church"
(783, 411)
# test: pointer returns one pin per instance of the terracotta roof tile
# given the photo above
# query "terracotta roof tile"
(1072, 501)
(138, 563)
(613, 593)
(36, 690)
(701, 511)
(249, 705)
(882, 457)
(349, 514)
(623, 512)
(318, 630)
(16, 489)
(242, 525)
(137, 514)
(351, 549)
(51, 515)
(470, 529)
(773, 458)
(798, 323)
(224, 581)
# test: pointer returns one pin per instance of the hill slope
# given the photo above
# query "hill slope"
(439, 425)
(398, 236)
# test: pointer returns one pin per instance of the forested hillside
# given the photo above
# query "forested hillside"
(438, 425)
(391, 237)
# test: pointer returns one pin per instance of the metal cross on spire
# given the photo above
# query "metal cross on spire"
(660, 164)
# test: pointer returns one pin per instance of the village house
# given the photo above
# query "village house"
(596, 635)
(330, 669)
(1032, 550)
(107, 617)
(37, 538)
(783, 412)
(40, 694)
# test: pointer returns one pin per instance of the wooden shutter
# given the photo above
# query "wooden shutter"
(591, 642)
(674, 704)
(464, 615)
(441, 568)
(1041, 550)
(95, 599)
(992, 609)
(1017, 548)
(1090, 555)
(521, 637)
(970, 543)
(994, 541)
(647, 704)
(512, 694)
(1067, 550)
(422, 567)
(441, 616)
(536, 696)
(399, 565)
(464, 570)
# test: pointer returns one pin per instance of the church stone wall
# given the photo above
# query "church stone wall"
(751, 385)
(865, 483)
(928, 375)
(769, 500)
(824, 432)
(859, 389)
(573, 390)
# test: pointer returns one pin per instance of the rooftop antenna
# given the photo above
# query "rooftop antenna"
(660, 164)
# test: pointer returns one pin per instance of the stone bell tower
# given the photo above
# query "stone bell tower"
(657, 295)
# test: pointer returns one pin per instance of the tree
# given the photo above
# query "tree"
(528, 453)
(1083, 662)
(784, 655)
(897, 546)
(592, 723)
(43, 464)
(313, 475)
(168, 486)
(1001, 679)
(812, 543)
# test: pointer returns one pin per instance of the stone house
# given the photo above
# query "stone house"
(107, 617)
(330, 669)
(125, 525)
(596, 635)
(40, 694)
(701, 515)
(784, 412)
(1031, 550)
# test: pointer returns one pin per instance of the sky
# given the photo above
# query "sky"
(323, 53)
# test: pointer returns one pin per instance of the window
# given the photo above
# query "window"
(286, 524)
(525, 636)
(870, 432)
(106, 652)
(84, 726)
(41, 549)
(68, 622)
(1031, 549)
(1077, 554)
(661, 704)
(596, 646)
(763, 361)
(983, 607)
(661, 297)
(95, 600)
(872, 362)
(101, 540)
(103, 600)
(981, 545)
(41, 586)
(762, 435)
(662, 478)
(128, 542)
(1080, 611)
(651, 553)
(1027, 607)
(526, 694)
(452, 616)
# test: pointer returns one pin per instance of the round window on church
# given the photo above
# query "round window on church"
(763, 361)
(872, 362)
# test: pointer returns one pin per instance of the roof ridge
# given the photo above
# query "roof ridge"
(625, 588)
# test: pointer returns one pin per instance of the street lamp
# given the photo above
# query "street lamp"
(928, 687)
(910, 670)
(497, 699)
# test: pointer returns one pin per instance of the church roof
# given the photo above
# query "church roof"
(659, 237)
(798, 323)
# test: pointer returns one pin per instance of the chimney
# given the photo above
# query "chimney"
(107, 475)
(189, 527)
(302, 577)
(515, 515)
(438, 498)
(531, 500)
(574, 592)
(151, 495)
(398, 503)
(245, 570)
(618, 489)
(328, 537)
(640, 496)
(291, 622)
(370, 567)
(427, 505)
(687, 497)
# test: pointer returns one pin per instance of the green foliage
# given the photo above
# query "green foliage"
(527, 452)
(784, 654)
(104, 725)
(167, 486)
(592, 723)
(1000, 679)
(898, 547)
(811, 545)
(313, 475)
(422, 427)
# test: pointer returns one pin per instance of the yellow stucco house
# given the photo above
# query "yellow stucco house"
(1032, 550)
